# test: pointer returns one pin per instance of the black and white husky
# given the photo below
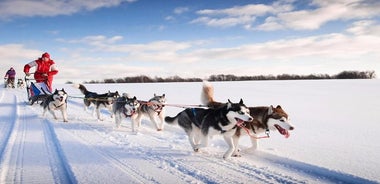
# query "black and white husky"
(56, 101)
(104, 100)
(200, 124)
(265, 119)
(125, 107)
(20, 83)
(154, 109)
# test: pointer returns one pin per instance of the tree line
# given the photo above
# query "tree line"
(229, 77)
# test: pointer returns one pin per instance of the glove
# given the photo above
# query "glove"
(27, 74)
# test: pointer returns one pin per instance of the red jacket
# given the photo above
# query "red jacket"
(42, 67)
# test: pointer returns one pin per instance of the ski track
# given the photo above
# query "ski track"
(18, 147)
(114, 156)
(130, 158)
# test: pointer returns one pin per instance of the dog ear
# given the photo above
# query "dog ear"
(163, 95)
(270, 110)
(278, 107)
(241, 101)
(229, 104)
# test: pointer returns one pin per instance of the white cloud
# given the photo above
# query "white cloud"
(284, 15)
(361, 39)
(365, 27)
(27, 8)
(17, 55)
(355, 48)
(225, 22)
(181, 10)
(327, 11)
(239, 15)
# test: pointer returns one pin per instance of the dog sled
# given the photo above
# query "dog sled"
(37, 91)
(9, 83)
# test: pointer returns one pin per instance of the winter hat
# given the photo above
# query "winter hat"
(46, 55)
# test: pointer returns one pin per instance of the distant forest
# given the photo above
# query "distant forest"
(224, 77)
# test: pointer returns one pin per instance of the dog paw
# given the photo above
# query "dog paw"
(196, 149)
(159, 129)
(236, 155)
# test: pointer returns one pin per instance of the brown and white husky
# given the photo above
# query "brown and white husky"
(265, 119)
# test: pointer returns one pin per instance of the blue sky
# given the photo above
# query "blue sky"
(95, 40)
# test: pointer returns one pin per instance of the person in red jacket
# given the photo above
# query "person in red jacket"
(45, 69)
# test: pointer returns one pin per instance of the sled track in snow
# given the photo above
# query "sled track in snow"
(57, 160)
(6, 127)
(189, 169)
(7, 139)
(127, 168)
(249, 171)
(16, 148)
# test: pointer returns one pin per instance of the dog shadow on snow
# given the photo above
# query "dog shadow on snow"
(307, 169)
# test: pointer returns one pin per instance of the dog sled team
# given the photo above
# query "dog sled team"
(231, 120)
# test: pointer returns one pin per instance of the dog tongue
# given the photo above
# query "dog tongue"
(287, 134)
(239, 122)
(282, 131)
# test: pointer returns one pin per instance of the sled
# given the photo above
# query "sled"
(37, 91)
(9, 83)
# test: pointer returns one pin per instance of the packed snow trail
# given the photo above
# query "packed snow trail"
(30, 147)
(37, 149)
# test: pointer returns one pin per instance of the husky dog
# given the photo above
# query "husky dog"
(154, 109)
(56, 101)
(99, 100)
(200, 124)
(20, 83)
(265, 118)
(125, 107)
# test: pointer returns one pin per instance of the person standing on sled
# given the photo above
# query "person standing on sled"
(45, 69)
(10, 77)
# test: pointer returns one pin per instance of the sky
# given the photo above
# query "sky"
(103, 39)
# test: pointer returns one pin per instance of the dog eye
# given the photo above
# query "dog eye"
(282, 120)
(241, 112)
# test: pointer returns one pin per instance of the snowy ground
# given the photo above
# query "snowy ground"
(334, 140)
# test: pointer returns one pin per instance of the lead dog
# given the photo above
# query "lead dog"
(104, 100)
(125, 107)
(200, 124)
(56, 101)
(265, 118)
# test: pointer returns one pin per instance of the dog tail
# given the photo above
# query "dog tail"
(172, 120)
(207, 94)
(81, 87)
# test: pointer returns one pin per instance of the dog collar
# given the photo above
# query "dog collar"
(126, 115)
(58, 105)
(224, 131)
